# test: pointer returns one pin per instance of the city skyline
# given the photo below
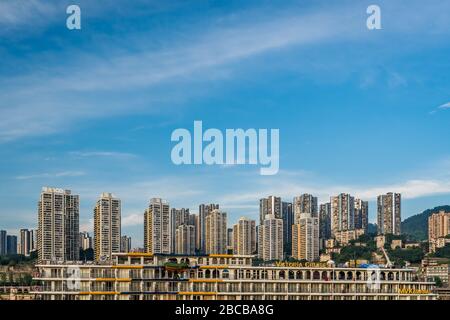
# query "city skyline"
(175, 217)
(365, 120)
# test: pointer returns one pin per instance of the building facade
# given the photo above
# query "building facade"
(157, 227)
(185, 239)
(270, 205)
(25, 242)
(244, 234)
(178, 217)
(203, 211)
(305, 238)
(305, 203)
(324, 223)
(216, 232)
(3, 242)
(438, 230)
(288, 222)
(107, 227)
(86, 241)
(361, 214)
(389, 213)
(342, 213)
(11, 244)
(270, 239)
(58, 225)
(225, 277)
(125, 244)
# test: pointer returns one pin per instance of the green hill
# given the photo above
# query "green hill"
(416, 227)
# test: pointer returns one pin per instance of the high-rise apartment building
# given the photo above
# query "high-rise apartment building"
(3, 242)
(288, 221)
(216, 232)
(185, 239)
(342, 213)
(11, 244)
(33, 240)
(107, 227)
(270, 238)
(305, 203)
(244, 234)
(270, 205)
(324, 223)
(85, 241)
(230, 240)
(389, 213)
(361, 214)
(178, 217)
(438, 230)
(58, 225)
(157, 227)
(305, 238)
(203, 211)
(125, 244)
(196, 222)
(25, 242)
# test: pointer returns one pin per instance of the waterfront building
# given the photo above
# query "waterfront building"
(143, 276)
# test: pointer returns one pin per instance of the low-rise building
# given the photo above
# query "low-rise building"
(344, 237)
(396, 243)
(380, 240)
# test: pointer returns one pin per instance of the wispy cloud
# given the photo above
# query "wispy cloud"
(198, 54)
(110, 154)
(14, 14)
(63, 174)
(133, 219)
(444, 106)
(40, 99)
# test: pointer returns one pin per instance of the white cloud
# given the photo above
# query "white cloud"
(14, 13)
(112, 154)
(87, 226)
(62, 174)
(444, 106)
(133, 219)
(199, 53)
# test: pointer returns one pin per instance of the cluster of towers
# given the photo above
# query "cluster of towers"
(298, 228)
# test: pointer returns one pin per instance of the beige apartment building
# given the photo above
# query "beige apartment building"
(58, 225)
(157, 227)
(216, 232)
(438, 230)
(244, 237)
(185, 239)
(107, 227)
(305, 238)
(270, 238)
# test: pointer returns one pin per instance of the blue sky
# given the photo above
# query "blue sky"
(92, 110)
